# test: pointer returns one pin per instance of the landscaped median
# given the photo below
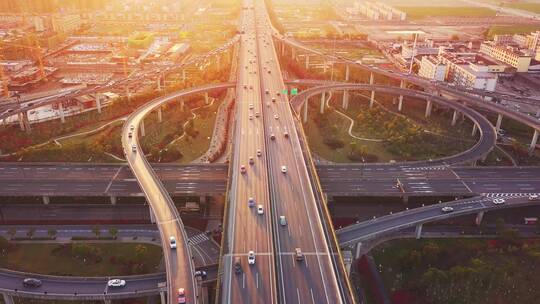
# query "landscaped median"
(92, 258)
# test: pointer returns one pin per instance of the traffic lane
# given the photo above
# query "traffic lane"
(504, 186)
(500, 172)
(355, 170)
(410, 217)
(312, 244)
(81, 286)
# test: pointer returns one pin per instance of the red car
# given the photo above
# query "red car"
(181, 296)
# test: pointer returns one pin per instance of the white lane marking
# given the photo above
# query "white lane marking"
(244, 280)
(298, 295)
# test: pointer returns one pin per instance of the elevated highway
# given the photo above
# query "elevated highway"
(116, 180)
(178, 260)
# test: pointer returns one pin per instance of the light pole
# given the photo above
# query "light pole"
(413, 52)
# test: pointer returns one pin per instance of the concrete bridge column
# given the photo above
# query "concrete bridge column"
(499, 122)
(218, 62)
(98, 102)
(345, 102)
(479, 217)
(323, 99)
(152, 217)
(307, 61)
(455, 117)
(26, 122)
(324, 66)
(418, 231)
(293, 53)
(46, 200)
(107, 301)
(8, 299)
(205, 97)
(347, 72)
(184, 75)
(181, 104)
(357, 252)
(21, 121)
(159, 115)
(371, 81)
(282, 49)
(474, 129)
(400, 100)
(429, 107)
(61, 110)
(533, 142)
(347, 260)
(305, 110)
(113, 200)
(143, 132)
(158, 83)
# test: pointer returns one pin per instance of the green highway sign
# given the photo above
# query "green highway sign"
(285, 91)
(294, 91)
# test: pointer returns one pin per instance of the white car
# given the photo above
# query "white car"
(276, 116)
(242, 169)
(260, 209)
(447, 209)
(251, 257)
(259, 153)
(498, 201)
(172, 242)
(283, 169)
(132, 127)
(116, 283)
(134, 148)
(534, 197)
(250, 106)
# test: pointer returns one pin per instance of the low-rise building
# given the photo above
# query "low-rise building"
(511, 55)
(431, 67)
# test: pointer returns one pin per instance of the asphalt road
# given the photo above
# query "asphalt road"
(178, 261)
(312, 280)
(247, 230)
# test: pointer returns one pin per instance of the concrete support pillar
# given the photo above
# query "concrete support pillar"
(98, 102)
(474, 129)
(347, 72)
(418, 231)
(158, 83)
(163, 297)
(8, 299)
(405, 199)
(26, 122)
(429, 107)
(218, 62)
(455, 117)
(307, 61)
(371, 81)
(533, 142)
(184, 75)
(205, 97)
(324, 66)
(400, 100)
(107, 301)
(479, 217)
(282, 49)
(306, 110)
(323, 99)
(181, 105)
(347, 260)
(499, 122)
(21, 121)
(159, 115)
(143, 131)
(128, 94)
(345, 102)
(113, 200)
(61, 111)
(293, 53)
(152, 216)
(358, 251)
(46, 200)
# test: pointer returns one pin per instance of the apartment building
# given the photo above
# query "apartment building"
(431, 67)
(511, 55)
(381, 11)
